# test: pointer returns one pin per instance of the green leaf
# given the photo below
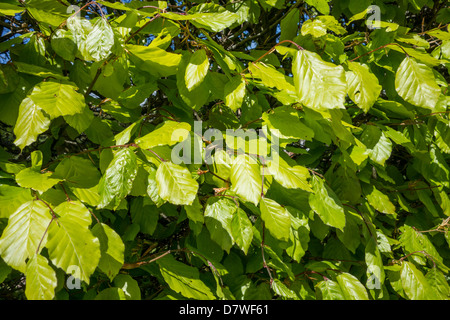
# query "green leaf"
(112, 250)
(57, 98)
(129, 286)
(439, 283)
(289, 25)
(321, 5)
(415, 243)
(175, 184)
(64, 44)
(144, 214)
(282, 290)
(8, 9)
(295, 177)
(21, 237)
(325, 203)
(196, 93)
(11, 198)
(78, 172)
(319, 84)
(196, 69)
(234, 93)
(194, 213)
(214, 19)
(48, 12)
(40, 279)
(184, 279)
(414, 283)
(241, 230)
(442, 134)
(379, 200)
(245, 177)
(351, 288)
(363, 86)
(99, 41)
(152, 187)
(118, 179)
(298, 235)
(219, 215)
(30, 178)
(375, 270)
(276, 219)
(30, 123)
(154, 60)
(71, 245)
(111, 294)
(416, 84)
(285, 123)
(329, 290)
(315, 28)
(169, 133)
(80, 121)
(378, 146)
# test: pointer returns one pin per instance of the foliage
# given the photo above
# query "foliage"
(111, 186)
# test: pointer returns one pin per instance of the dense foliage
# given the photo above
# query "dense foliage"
(325, 172)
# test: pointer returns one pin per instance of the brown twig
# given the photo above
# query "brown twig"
(379, 48)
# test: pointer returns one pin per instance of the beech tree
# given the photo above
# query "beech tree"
(247, 149)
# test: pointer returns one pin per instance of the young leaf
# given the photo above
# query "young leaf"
(234, 93)
(325, 203)
(99, 41)
(29, 178)
(219, 214)
(196, 69)
(319, 84)
(40, 279)
(414, 283)
(415, 82)
(57, 98)
(129, 286)
(78, 172)
(71, 245)
(276, 219)
(246, 178)
(184, 279)
(152, 187)
(117, 181)
(241, 230)
(374, 262)
(175, 184)
(112, 250)
(363, 86)
(438, 282)
(12, 198)
(169, 133)
(329, 290)
(298, 235)
(351, 288)
(282, 290)
(295, 177)
(379, 200)
(25, 230)
(30, 123)
(154, 60)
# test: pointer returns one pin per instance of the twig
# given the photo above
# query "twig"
(382, 47)
(422, 252)
(263, 256)
(141, 28)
